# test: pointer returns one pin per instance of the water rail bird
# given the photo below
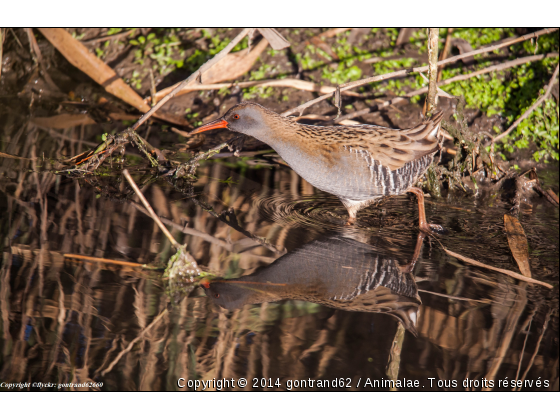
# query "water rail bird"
(359, 164)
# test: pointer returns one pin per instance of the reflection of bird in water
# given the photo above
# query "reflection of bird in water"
(337, 271)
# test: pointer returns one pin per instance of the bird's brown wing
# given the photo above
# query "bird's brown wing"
(395, 148)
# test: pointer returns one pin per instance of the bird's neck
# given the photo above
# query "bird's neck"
(278, 132)
(285, 137)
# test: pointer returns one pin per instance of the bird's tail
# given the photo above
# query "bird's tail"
(428, 132)
(435, 122)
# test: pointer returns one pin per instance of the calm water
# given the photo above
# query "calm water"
(321, 302)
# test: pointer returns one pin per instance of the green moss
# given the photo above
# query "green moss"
(511, 92)
(478, 37)
(163, 47)
(343, 73)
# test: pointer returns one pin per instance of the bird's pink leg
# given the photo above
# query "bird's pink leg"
(424, 225)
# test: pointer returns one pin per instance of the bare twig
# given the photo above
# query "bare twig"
(187, 230)
(17, 39)
(523, 349)
(133, 342)
(299, 109)
(537, 347)
(446, 49)
(193, 77)
(291, 83)
(191, 165)
(439, 91)
(228, 217)
(150, 209)
(431, 99)
(38, 57)
(105, 260)
(395, 355)
(539, 101)
(453, 297)
(499, 270)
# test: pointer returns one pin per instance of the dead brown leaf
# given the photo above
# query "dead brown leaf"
(275, 39)
(518, 243)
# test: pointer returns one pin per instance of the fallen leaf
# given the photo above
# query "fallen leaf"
(231, 67)
(518, 243)
(274, 38)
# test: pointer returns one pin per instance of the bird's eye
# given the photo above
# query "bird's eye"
(235, 116)
(216, 295)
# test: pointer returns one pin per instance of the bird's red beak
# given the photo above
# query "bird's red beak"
(212, 125)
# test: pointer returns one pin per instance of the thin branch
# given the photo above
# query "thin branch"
(446, 49)
(453, 297)
(290, 83)
(395, 355)
(133, 342)
(439, 91)
(228, 217)
(193, 77)
(187, 230)
(150, 209)
(105, 260)
(537, 347)
(539, 101)
(404, 72)
(499, 270)
(38, 57)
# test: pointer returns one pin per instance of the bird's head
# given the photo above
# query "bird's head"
(247, 118)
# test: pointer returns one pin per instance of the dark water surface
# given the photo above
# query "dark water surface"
(325, 306)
